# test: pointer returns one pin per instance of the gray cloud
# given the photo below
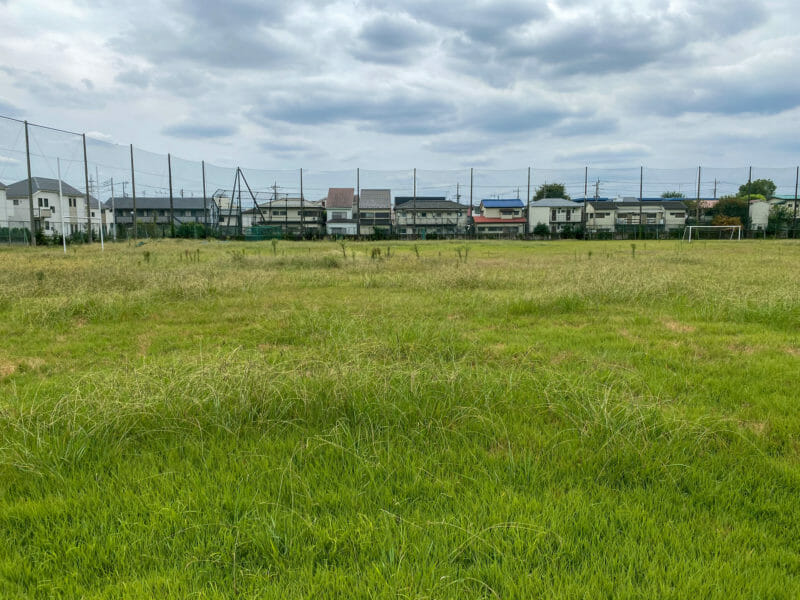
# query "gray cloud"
(133, 77)
(391, 39)
(199, 130)
(585, 126)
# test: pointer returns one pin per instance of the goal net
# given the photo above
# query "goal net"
(715, 232)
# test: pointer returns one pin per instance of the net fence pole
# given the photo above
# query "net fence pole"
(88, 196)
(30, 186)
(133, 194)
(794, 220)
(113, 211)
(302, 208)
(205, 200)
(99, 208)
(171, 202)
(61, 205)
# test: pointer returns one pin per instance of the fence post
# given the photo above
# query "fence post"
(171, 205)
(133, 193)
(88, 196)
(205, 202)
(415, 202)
(794, 221)
(30, 187)
(302, 209)
(358, 202)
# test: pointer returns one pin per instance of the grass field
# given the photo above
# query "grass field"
(498, 420)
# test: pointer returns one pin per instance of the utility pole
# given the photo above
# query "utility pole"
(86, 176)
(641, 182)
(302, 209)
(30, 187)
(794, 221)
(61, 206)
(358, 202)
(697, 208)
(133, 192)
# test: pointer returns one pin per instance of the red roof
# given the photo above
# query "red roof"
(479, 219)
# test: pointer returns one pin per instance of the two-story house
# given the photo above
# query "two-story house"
(375, 212)
(501, 218)
(50, 210)
(155, 211)
(629, 215)
(295, 217)
(430, 215)
(556, 213)
(341, 213)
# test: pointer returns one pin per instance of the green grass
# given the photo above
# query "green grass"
(555, 420)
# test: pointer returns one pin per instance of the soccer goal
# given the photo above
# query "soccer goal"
(694, 230)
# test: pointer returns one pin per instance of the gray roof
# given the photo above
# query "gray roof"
(371, 199)
(426, 203)
(2, 186)
(158, 202)
(555, 203)
(19, 189)
(608, 205)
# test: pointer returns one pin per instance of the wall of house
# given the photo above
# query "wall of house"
(759, 214)
(501, 213)
(595, 222)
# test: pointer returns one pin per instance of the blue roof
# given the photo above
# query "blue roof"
(503, 203)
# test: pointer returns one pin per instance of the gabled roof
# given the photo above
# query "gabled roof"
(426, 203)
(19, 189)
(2, 186)
(340, 198)
(158, 203)
(502, 203)
(555, 203)
(371, 199)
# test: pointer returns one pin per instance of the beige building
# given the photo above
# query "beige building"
(294, 216)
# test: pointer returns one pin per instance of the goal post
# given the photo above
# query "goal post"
(735, 231)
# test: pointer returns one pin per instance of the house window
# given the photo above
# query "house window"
(53, 208)
(47, 225)
(569, 215)
(92, 213)
(423, 214)
(73, 203)
(16, 202)
(42, 202)
(678, 215)
(554, 215)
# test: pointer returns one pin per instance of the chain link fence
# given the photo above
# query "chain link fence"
(57, 185)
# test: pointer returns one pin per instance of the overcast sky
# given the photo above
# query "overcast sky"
(387, 84)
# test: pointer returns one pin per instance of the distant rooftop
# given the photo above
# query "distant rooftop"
(340, 198)
(19, 189)
(502, 203)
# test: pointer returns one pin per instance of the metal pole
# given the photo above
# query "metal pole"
(528, 201)
(415, 202)
(697, 208)
(30, 187)
(133, 192)
(171, 205)
(88, 200)
(794, 221)
(358, 202)
(641, 180)
(205, 202)
(99, 207)
(113, 210)
(61, 206)
(469, 211)
(302, 208)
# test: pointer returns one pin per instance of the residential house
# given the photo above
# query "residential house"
(758, 211)
(426, 215)
(49, 212)
(340, 208)
(501, 218)
(628, 214)
(375, 212)
(3, 206)
(293, 215)
(155, 211)
(556, 213)
(229, 217)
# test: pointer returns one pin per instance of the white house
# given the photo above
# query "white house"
(341, 213)
(49, 212)
(625, 213)
(556, 213)
(501, 218)
(759, 214)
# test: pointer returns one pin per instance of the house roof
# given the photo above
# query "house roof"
(2, 186)
(157, 202)
(19, 189)
(426, 203)
(555, 203)
(480, 219)
(340, 198)
(502, 203)
(375, 199)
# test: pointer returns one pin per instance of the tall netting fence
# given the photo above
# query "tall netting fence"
(85, 189)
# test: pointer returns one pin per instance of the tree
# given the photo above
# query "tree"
(541, 230)
(764, 187)
(673, 194)
(780, 217)
(725, 220)
(551, 190)
(732, 206)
